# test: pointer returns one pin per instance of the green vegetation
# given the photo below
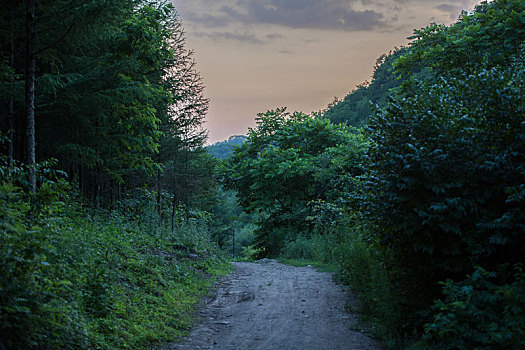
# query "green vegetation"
(76, 278)
(355, 108)
(446, 168)
(294, 172)
(106, 189)
(423, 210)
(110, 245)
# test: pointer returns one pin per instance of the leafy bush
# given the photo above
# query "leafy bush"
(447, 179)
(38, 306)
(361, 266)
(480, 313)
(445, 183)
(287, 163)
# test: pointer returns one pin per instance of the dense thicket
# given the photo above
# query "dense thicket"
(78, 278)
(89, 259)
(117, 96)
(446, 178)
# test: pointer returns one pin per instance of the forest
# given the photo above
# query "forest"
(115, 218)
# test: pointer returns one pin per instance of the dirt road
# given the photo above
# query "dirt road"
(268, 305)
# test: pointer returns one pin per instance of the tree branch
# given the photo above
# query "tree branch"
(56, 42)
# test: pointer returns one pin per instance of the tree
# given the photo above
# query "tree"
(488, 37)
(30, 93)
(446, 157)
(183, 163)
(286, 165)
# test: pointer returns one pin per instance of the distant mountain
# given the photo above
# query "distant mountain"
(355, 109)
(223, 149)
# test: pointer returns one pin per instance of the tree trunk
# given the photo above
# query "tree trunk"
(187, 183)
(159, 196)
(11, 115)
(174, 210)
(30, 94)
(98, 189)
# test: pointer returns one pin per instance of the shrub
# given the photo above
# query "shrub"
(89, 279)
(480, 313)
(38, 306)
(446, 181)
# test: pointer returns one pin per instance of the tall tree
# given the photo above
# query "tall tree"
(181, 123)
(288, 164)
(30, 93)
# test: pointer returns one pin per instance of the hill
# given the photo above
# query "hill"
(223, 149)
(355, 108)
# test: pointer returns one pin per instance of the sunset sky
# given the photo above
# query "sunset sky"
(256, 55)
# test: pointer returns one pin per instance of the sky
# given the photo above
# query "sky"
(256, 55)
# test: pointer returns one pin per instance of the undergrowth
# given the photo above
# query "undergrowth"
(74, 278)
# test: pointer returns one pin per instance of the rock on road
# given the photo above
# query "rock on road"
(267, 305)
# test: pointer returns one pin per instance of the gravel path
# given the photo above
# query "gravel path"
(267, 305)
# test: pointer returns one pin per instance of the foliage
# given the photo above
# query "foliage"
(120, 104)
(355, 108)
(233, 229)
(118, 97)
(446, 168)
(362, 266)
(76, 278)
(38, 306)
(445, 182)
(289, 163)
(480, 313)
(189, 177)
(489, 37)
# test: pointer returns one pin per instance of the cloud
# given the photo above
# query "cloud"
(246, 38)
(207, 20)
(235, 19)
(312, 14)
(455, 9)
(274, 36)
(304, 14)
(242, 37)
(452, 10)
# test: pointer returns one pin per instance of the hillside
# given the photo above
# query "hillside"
(356, 107)
(223, 149)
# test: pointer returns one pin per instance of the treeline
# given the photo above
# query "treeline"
(116, 98)
(105, 187)
(422, 208)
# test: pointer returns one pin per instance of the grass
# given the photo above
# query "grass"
(139, 287)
